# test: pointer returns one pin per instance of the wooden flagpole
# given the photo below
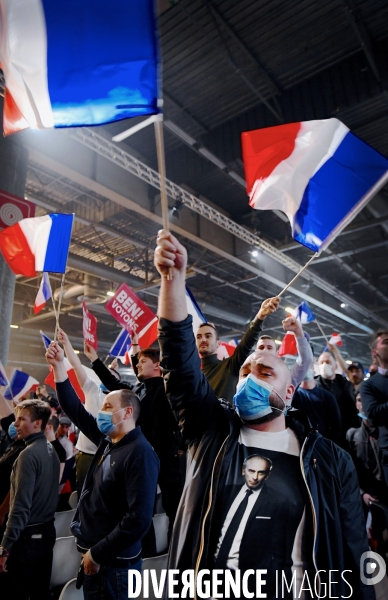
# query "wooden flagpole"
(162, 175)
(298, 274)
(59, 306)
(321, 330)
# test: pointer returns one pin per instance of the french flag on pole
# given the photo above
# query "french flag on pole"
(20, 384)
(77, 62)
(194, 310)
(317, 172)
(304, 313)
(44, 294)
(121, 345)
(37, 244)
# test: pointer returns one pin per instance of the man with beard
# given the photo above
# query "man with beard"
(309, 472)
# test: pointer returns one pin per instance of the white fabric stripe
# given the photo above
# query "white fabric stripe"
(23, 50)
(37, 233)
(283, 190)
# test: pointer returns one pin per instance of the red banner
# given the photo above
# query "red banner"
(129, 310)
(89, 327)
(14, 209)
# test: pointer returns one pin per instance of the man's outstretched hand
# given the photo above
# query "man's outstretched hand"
(268, 307)
(170, 255)
(54, 354)
(90, 352)
(293, 324)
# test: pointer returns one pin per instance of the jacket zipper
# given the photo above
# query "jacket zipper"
(202, 543)
(313, 511)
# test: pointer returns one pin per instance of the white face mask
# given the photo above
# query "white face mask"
(326, 370)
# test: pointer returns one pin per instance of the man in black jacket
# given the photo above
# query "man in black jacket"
(314, 479)
(342, 390)
(156, 420)
(374, 393)
(115, 509)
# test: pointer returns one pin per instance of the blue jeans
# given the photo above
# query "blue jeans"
(110, 583)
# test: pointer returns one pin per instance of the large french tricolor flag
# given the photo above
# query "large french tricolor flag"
(77, 62)
(37, 244)
(20, 384)
(317, 172)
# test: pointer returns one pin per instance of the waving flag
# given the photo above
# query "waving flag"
(335, 339)
(37, 244)
(121, 344)
(194, 310)
(3, 376)
(317, 172)
(44, 294)
(288, 346)
(20, 384)
(304, 313)
(77, 62)
(70, 372)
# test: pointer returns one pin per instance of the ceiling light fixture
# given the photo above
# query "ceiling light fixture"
(110, 293)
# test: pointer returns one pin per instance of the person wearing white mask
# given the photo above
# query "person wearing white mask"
(343, 391)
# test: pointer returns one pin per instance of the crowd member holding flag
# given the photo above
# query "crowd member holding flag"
(313, 479)
(223, 374)
(305, 356)
(341, 389)
(115, 510)
(94, 399)
(156, 418)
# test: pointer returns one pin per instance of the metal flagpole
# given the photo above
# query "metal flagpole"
(300, 272)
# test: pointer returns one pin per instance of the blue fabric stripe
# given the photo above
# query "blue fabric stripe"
(46, 287)
(120, 344)
(336, 188)
(45, 339)
(195, 305)
(102, 60)
(17, 383)
(58, 243)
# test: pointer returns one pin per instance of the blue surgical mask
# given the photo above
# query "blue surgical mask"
(104, 421)
(359, 414)
(309, 375)
(12, 431)
(252, 398)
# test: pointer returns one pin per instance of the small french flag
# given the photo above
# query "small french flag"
(335, 339)
(20, 384)
(44, 294)
(37, 244)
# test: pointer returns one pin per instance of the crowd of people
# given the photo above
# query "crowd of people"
(259, 466)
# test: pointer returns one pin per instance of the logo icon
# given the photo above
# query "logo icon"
(372, 568)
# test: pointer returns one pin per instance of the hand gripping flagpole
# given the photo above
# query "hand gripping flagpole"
(162, 174)
(298, 274)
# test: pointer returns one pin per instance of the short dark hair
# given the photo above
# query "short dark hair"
(208, 324)
(129, 398)
(329, 352)
(267, 460)
(266, 337)
(375, 336)
(152, 353)
(54, 421)
(37, 409)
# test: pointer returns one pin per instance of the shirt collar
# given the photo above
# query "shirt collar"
(382, 371)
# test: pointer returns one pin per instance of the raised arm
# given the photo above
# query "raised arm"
(188, 390)
(72, 357)
(67, 397)
(111, 383)
(250, 337)
(305, 355)
(5, 407)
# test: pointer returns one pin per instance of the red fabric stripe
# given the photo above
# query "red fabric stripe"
(13, 119)
(150, 336)
(264, 149)
(16, 251)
